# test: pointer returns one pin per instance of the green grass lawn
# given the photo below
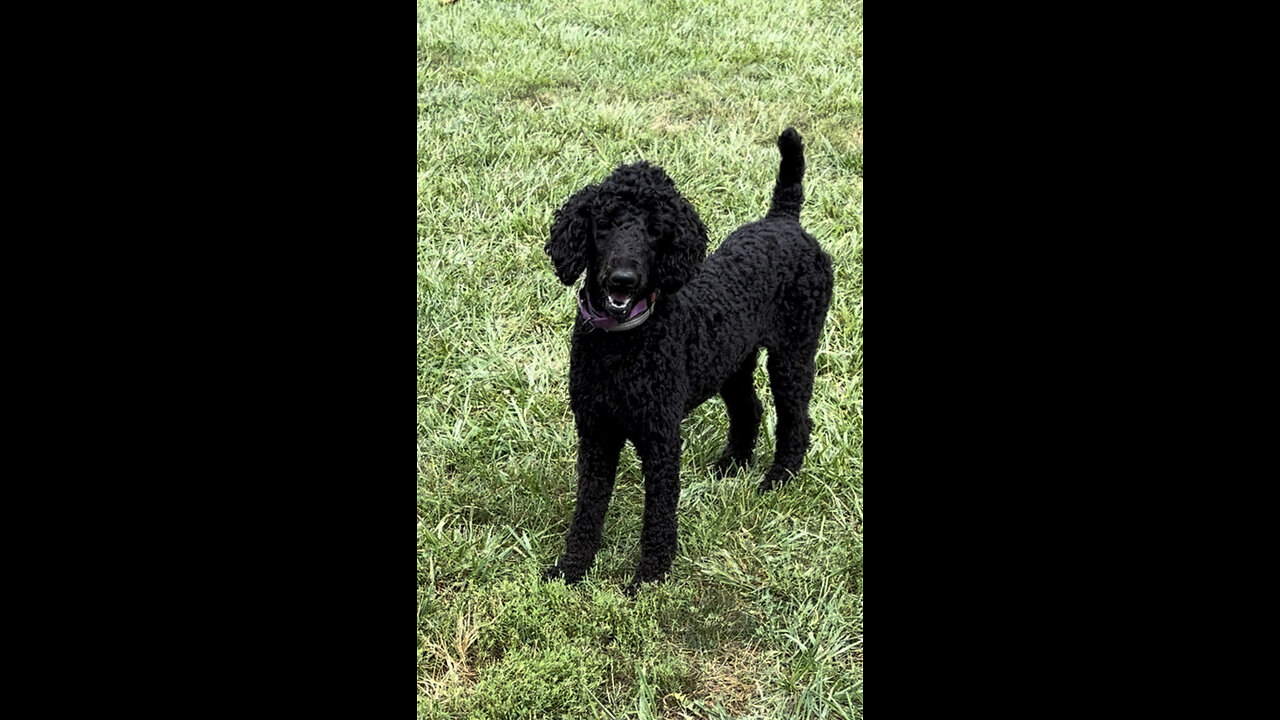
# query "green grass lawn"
(519, 105)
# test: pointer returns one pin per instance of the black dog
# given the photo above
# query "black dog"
(662, 330)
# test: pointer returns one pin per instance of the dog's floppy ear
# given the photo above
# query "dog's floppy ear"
(684, 244)
(570, 232)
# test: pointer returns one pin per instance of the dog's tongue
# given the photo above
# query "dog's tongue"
(619, 298)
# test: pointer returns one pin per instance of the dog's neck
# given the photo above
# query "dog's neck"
(638, 315)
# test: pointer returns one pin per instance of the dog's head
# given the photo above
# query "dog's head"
(632, 234)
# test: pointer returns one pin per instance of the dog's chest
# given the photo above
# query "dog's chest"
(619, 385)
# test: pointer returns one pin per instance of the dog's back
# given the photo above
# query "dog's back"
(768, 277)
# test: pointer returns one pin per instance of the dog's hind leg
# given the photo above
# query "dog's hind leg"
(744, 408)
(791, 378)
(792, 353)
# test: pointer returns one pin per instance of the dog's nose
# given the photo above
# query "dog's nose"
(623, 279)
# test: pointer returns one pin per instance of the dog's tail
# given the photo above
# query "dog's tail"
(788, 194)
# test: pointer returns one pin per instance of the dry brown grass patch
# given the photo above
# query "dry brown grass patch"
(446, 667)
(730, 677)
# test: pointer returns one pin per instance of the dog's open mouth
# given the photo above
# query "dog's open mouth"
(619, 302)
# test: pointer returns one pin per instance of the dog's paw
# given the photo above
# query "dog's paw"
(633, 588)
(645, 574)
(557, 572)
(774, 479)
(730, 464)
(725, 467)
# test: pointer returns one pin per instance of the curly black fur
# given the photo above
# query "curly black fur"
(768, 285)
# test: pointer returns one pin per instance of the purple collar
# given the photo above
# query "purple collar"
(641, 312)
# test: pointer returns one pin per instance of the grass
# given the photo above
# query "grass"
(519, 105)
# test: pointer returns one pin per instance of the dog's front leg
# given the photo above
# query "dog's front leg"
(660, 460)
(597, 470)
